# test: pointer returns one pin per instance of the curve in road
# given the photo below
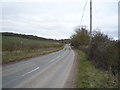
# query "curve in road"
(47, 71)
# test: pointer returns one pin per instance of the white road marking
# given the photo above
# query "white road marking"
(55, 59)
(20, 77)
(31, 71)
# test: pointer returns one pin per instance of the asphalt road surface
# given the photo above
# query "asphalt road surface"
(47, 71)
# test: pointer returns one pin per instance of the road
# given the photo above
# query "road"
(47, 71)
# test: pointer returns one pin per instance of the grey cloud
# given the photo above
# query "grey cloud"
(57, 20)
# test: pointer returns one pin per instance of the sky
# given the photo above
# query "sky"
(57, 19)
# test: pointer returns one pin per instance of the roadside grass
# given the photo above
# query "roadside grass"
(90, 77)
(8, 57)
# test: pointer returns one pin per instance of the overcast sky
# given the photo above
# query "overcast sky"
(57, 18)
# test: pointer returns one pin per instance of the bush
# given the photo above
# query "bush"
(80, 38)
(102, 51)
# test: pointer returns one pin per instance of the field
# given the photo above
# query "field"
(15, 48)
(15, 43)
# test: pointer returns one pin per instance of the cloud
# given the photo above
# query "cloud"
(57, 1)
(57, 18)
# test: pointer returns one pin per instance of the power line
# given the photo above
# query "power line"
(84, 8)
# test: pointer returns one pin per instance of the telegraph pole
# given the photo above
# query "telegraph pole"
(90, 20)
(90, 27)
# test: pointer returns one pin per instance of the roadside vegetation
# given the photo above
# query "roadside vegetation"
(91, 77)
(17, 48)
(102, 52)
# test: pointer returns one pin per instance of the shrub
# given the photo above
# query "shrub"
(101, 50)
(80, 38)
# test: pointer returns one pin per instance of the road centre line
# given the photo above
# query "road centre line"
(31, 71)
(55, 59)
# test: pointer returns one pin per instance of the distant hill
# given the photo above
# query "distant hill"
(32, 37)
(24, 36)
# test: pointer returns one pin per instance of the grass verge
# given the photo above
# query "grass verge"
(90, 77)
(8, 57)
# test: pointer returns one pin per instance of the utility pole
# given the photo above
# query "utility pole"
(90, 20)
(90, 27)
